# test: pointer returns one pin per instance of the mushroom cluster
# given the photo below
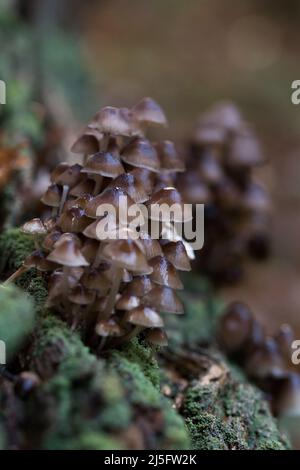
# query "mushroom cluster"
(267, 360)
(222, 156)
(103, 278)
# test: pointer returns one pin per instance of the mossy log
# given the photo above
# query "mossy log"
(183, 397)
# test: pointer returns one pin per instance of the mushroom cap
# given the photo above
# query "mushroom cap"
(110, 196)
(88, 142)
(210, 135)
(163, 299)
(104, 164)
(192, 189)
(111, 120)
(176, 253)
(164, 273)
(145, 177)
(225, 115)
(80, 202)
(210, 168)
(70, 177)
(52, 196)
(125, 254)
(140, 153)
(37, 260)
(81, 296)
(73, 220)
(147, 111)
(127, 302)
(34, 227)
(109, 327)
(85, 186)
(157, 336)
(93, 279)
(165, 199)
(169, 158)
(245, 150)
(128, 183)
(67, 253)
(144, 316)
(58, 170)
(90, 250)
(163, 180)
(68, 237)
(139, 286)
(50, 240)
(149, 246)
(256, 199)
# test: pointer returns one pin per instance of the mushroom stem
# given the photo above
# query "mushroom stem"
(112, 295)
(63, 198)
(16, 274)
(104, 142)
(97, 257)
(134, 332)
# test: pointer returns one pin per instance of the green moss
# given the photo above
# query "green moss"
(140, 378)
(17, 318)
(14, 247)
(233, 416)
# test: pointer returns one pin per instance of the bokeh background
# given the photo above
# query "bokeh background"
(187, 55)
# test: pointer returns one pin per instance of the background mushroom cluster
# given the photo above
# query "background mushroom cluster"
(113, 288)
(221, 158)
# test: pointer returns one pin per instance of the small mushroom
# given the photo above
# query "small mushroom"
(164, 273)
(157, 336)
(140, 153)
(176, 253)
(36, 229)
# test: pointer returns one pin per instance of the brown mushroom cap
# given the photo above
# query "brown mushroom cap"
(223, 115)
(145, 177)
(125, 254)
(192, 189)
(73, 220)
(52, 196)
(163, 299)
(51, 239)
(58, 170)
(67, 253)
(111, 120)
(169, 158)
(37, 260)
(93, 279)
(210, 169)
(127, 302)
(245, 150)
(81, 296)
(70, 177)
(163, 180)
(140, 153)
(139, 286)
(109, 327)
(128, 183)
(168, 197)
(176, 253)
(144, 316)
(157, 336)
(164, 273)
(110, 196)
(68, 237)
(34, 227)
(147, 111)
(90, 250)
(104, 164)
(149, 246)
(85, 186)
(88, 142)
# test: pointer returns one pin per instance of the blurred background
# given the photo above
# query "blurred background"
(79, 56)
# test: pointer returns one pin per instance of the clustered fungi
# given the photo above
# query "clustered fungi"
(267, 360)
(111, 289)
(220, 163)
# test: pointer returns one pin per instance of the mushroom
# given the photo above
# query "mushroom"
(67, 179)
(141, 317)
(35, 228)
(132, 186)
(169, 159)
(141, 154)
(148, 113)
(176, 253)
(157, 337)
(164, 273)
(163, 299)
(102, 164)
(161, 203)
